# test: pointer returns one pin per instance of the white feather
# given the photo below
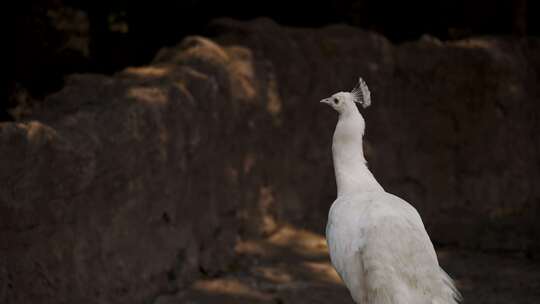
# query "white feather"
(361, 93)
(377, 241)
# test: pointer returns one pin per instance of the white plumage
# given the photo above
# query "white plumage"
(377, 241)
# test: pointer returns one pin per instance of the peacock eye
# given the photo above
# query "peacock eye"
(336, 101)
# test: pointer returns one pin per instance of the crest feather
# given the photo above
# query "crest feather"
(361, 93)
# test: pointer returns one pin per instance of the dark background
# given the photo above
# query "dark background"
(168, 152)
(41, 58)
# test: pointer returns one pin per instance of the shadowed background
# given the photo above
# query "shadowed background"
(176, 152)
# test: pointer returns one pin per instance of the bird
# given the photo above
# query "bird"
(377, 241)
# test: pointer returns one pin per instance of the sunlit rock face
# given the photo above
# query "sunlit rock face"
(124, 187)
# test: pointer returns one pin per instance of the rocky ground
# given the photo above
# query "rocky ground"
(292, 266)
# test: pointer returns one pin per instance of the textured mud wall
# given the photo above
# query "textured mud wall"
(129, 186)
(453, 127)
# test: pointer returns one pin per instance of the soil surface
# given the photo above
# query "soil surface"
(292, 266)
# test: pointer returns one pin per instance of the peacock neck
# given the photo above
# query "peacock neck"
(352, 173)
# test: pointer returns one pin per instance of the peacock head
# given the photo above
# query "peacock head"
(343, 102)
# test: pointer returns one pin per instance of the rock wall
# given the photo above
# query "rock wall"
(124, 187)
(453, 127)
(128, 186)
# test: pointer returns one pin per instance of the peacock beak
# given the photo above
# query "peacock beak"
(326, 100)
